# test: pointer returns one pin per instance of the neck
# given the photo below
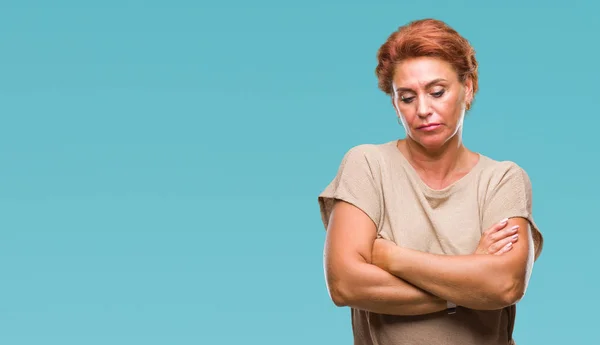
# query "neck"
(437, 164)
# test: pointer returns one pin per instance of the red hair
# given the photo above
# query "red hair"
(431, 38)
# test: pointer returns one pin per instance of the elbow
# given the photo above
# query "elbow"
(338, 294)
(516, 293)
(344, 285)
(511, 293)
(338, 298)
(339, 285)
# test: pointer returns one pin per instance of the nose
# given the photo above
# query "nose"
(423, 107)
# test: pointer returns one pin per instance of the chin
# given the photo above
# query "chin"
(432, 142)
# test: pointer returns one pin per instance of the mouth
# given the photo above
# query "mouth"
(430, 126)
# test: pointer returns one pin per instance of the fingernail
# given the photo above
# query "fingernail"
(504, 221)
(509, 245)
(514, 227)
(515, 237)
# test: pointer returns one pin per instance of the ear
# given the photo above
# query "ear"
(468, 92)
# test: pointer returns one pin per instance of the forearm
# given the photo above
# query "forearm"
(370, 288)
(474, 281)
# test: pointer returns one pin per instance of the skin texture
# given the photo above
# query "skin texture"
(483, 282)
(376, 275)
(428, 91)
(352, 278)
(357, 266)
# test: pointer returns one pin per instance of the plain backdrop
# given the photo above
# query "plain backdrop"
(160, 161)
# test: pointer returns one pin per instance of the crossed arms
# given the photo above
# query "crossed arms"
(373, 274)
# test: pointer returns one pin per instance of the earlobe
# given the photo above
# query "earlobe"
(470, 90)
(469, 93)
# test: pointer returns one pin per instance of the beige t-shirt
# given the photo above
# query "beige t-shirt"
(378, 179)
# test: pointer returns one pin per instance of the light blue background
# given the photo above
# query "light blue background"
(160, 161)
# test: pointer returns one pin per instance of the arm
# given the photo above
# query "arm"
(354, 281)
(483, 282)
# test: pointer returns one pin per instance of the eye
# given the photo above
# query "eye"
(438, 94)
(405, 99)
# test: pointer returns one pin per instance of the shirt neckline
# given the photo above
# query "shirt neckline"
(424, 186)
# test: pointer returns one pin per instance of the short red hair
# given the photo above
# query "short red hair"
(426, 37)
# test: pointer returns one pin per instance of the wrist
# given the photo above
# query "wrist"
(396, 261)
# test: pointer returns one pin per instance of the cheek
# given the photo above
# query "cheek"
(405, 110)
(448, 108)
(406, 115)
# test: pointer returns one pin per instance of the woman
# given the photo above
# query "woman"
(427, 241)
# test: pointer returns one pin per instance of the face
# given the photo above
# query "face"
(430, 100)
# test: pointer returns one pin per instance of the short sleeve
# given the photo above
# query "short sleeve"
(357, 182)
(510, 196)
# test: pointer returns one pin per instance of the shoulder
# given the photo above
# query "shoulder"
(501, 170)
(504, 174)
(364, 155)
(364, 150)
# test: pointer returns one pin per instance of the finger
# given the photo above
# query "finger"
(497, 226)
(505, 249)
(504, 233)
(497, 246)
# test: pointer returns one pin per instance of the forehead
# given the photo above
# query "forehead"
(417, 72)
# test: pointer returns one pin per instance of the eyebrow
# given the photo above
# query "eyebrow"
(435, 81)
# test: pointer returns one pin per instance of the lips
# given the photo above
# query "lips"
(429, 126)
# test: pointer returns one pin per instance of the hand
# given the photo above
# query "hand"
(382, 252)
(497, 240)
